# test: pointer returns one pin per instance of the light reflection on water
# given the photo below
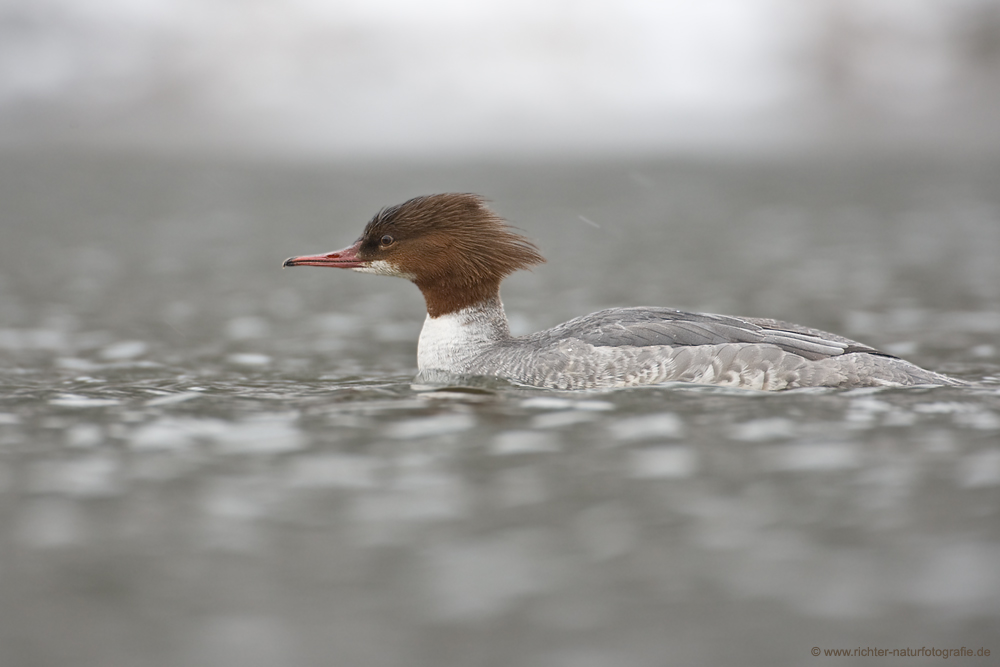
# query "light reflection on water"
(248, 480)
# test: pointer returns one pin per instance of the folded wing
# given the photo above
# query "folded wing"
(644, 327)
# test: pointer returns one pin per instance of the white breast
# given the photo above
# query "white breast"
(449, 342)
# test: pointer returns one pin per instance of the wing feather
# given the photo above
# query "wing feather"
(646, 327)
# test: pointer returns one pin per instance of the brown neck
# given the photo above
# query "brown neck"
(444, 296)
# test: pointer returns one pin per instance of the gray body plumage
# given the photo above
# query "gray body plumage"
(623, 347)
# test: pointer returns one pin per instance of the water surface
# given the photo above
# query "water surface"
(207, 460)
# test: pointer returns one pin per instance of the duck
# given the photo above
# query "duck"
(457, 251)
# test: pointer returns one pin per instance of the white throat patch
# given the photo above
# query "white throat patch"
(380, 267)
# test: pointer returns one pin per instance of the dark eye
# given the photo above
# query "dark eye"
(385, 240)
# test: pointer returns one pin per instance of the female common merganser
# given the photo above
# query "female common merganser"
(457, 252)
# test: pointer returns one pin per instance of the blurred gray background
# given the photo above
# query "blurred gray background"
(444, 77)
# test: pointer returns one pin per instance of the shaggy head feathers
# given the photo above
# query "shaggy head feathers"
(454, 249)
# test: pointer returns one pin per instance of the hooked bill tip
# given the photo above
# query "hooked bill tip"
(288, 262)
